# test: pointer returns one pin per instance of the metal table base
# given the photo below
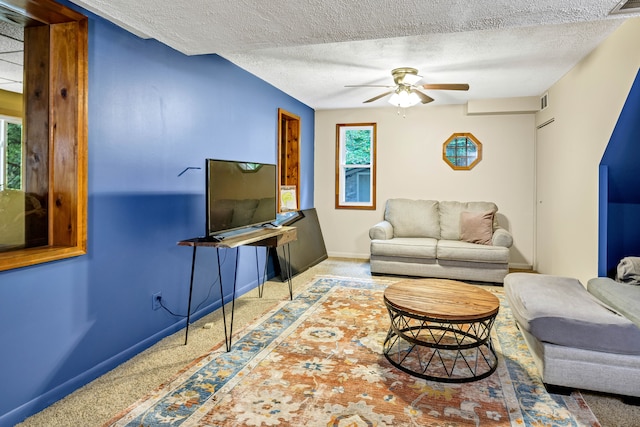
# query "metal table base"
(440, 350)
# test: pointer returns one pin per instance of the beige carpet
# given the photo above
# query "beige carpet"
(99, 401)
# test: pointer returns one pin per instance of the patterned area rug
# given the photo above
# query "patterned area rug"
(317, 361)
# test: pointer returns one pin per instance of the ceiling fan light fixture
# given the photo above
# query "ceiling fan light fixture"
(404, 98)
(406, 93)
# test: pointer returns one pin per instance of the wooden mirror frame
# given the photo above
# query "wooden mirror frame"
(56, 154)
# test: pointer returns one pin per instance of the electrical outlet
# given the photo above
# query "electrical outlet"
(155, 300)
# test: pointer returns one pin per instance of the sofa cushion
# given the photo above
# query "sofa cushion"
(413, 247)
(450, 212)
(413, 218)
(476, 227)
(622, 297)
(456, 250)
(560, 311)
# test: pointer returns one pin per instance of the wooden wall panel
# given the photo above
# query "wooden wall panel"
(36, 124)
(64, 98)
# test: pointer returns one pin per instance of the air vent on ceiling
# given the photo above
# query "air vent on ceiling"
(627, 6)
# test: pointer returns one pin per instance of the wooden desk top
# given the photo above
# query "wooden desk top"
(442, 299)
(261, 237)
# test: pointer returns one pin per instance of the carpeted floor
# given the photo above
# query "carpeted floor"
(317, 361)
(99, 401)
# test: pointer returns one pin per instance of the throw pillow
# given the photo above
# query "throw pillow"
(477, 227)
(628, 270)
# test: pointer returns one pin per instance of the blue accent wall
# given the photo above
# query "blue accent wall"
(152, 113)
(619, 191)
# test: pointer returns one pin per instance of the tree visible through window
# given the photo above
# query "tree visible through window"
(13, 202)
(13, 161)
(355, 166)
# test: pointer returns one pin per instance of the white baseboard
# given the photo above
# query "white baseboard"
(365, 256)
(520, 266)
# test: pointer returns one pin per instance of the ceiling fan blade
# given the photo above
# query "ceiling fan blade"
(369, 86)
(446, 86)
(425, 99)
(375, 98)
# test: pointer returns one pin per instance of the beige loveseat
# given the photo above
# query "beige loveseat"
(446, 239)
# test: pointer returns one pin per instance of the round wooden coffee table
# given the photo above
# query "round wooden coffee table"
(440, 329)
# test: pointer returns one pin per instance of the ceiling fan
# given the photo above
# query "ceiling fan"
(405, 92)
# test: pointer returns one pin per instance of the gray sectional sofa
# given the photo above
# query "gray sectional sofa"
(442, 239)
(585, 338)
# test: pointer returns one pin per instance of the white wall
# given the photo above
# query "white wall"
(585, 105)
(409, 152)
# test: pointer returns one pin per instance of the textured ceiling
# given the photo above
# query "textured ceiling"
(311, 49)
(11, 57)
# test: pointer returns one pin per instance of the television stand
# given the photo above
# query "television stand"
(264, 237)
(211, 238)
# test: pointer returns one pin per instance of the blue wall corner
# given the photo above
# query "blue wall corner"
(619, 198)
(603, 214)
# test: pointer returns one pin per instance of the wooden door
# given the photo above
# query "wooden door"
(543, 254)
(288, 153)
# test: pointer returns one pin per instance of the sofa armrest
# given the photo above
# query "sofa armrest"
(501, 237)
(381, 231)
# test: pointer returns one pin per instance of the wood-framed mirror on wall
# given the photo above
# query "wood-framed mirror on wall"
(43, 196)
(288, 161)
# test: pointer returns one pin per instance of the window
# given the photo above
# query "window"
(52, 197)
(462, 151)
(11, 154)
(16, 210)
(356, 166)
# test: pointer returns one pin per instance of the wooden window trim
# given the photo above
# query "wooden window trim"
(338, 204)
(64, 143)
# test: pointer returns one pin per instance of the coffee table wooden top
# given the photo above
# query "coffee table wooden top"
(442, 299)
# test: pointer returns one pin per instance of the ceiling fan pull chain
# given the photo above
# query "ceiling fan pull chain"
(404, 112)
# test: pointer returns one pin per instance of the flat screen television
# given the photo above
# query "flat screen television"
(239, 195)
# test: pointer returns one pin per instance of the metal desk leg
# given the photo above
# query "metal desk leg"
(228, 333)
(290, 273)
(193, 264)
(266, 266)
(264, 275)
(286, 251)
